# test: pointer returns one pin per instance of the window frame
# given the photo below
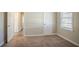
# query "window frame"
(61, 19)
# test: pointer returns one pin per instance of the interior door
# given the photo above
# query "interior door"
(10, 25)
(33, 23)
(48, 20)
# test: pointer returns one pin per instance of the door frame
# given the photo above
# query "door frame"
(5, 27)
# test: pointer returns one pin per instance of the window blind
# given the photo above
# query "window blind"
(66, 20)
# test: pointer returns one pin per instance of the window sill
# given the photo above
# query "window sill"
(68, 29)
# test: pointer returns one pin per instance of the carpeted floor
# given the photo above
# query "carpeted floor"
(39, 41)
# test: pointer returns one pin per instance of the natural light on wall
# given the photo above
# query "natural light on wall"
(66, 20)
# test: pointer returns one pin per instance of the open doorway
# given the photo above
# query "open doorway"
(14, 24)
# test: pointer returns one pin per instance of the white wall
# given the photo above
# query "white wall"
(20, 20)
(34, 23)
(70, 35)
(16, 15)
(1, 28)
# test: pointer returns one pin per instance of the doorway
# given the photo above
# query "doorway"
(14, 24)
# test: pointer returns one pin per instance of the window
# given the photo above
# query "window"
(66, 20)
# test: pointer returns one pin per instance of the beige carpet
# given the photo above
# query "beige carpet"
(39, 41)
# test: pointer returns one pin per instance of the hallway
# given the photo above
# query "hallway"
(38, 41)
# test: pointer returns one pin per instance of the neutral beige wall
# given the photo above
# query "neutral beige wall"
(20, 21)
(40, 24)
(33, 23)
(71, 35)
(54, 22)
(16, 21)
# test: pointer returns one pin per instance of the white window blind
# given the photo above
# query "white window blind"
(66, 20)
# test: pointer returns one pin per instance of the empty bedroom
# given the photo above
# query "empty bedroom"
(40, 29)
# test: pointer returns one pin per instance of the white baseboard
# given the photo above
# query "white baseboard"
(41, 34)
(1, 44)
(58, 35)
(68, 40)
